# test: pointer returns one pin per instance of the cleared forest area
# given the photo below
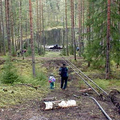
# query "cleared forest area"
(36, 36)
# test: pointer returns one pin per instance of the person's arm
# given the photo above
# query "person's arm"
(49, 79)
(60, 69)
(67, 69)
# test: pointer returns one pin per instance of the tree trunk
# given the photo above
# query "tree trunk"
(82, 42)
(108, 42)
(20, 17)
(37, 34)
(79, 20)
(2, 25)
(72, 13)
(40, 24)
(63, 34)
(27, 31)
(66, 27)
(1, 41)
(12, 27)
(8, 25)
(89, 32)
(44, 39)
(72, 28)
(119, 21)
(32, 42)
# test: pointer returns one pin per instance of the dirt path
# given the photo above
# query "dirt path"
(86, 109)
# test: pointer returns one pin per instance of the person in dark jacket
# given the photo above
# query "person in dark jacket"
(63, 71)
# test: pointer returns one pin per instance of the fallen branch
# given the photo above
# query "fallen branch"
(85, 90)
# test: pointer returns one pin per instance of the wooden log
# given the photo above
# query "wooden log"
(49, 105)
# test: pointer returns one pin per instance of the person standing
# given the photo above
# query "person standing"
(52, 81)
(63, 71)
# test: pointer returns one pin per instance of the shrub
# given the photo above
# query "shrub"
(13, 51)
(9, 74)
(41, 78)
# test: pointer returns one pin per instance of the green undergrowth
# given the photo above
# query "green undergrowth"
(108, 84)
(26, 87)
(52, 54)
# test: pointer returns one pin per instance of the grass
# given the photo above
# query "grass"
(18, 94)
(52, 54)
(114, 84)
(104, 84)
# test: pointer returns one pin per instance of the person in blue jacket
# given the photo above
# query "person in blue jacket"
(63, 71)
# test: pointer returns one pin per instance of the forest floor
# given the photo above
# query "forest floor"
(86, 109)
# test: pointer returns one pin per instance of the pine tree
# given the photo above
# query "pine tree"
(32, 42)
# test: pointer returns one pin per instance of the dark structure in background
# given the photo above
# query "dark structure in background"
(56, 47)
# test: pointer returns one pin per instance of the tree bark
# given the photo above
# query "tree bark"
(79, 20)
(20, 17)
(82, 41)
(44, 39)
(63, 34)
(72, 29)
(32, 42)
(108, 41)
(66, 27)
(1, 41)
(89, 32)
(40, 25)
(2, 25)
(8, 25)
(12, 28)
(72, 13)
(37, 34)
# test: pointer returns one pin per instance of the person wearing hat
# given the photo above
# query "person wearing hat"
(52, 81)
(63, 72)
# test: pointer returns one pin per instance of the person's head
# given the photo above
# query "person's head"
(51, 74)
(64, 64)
